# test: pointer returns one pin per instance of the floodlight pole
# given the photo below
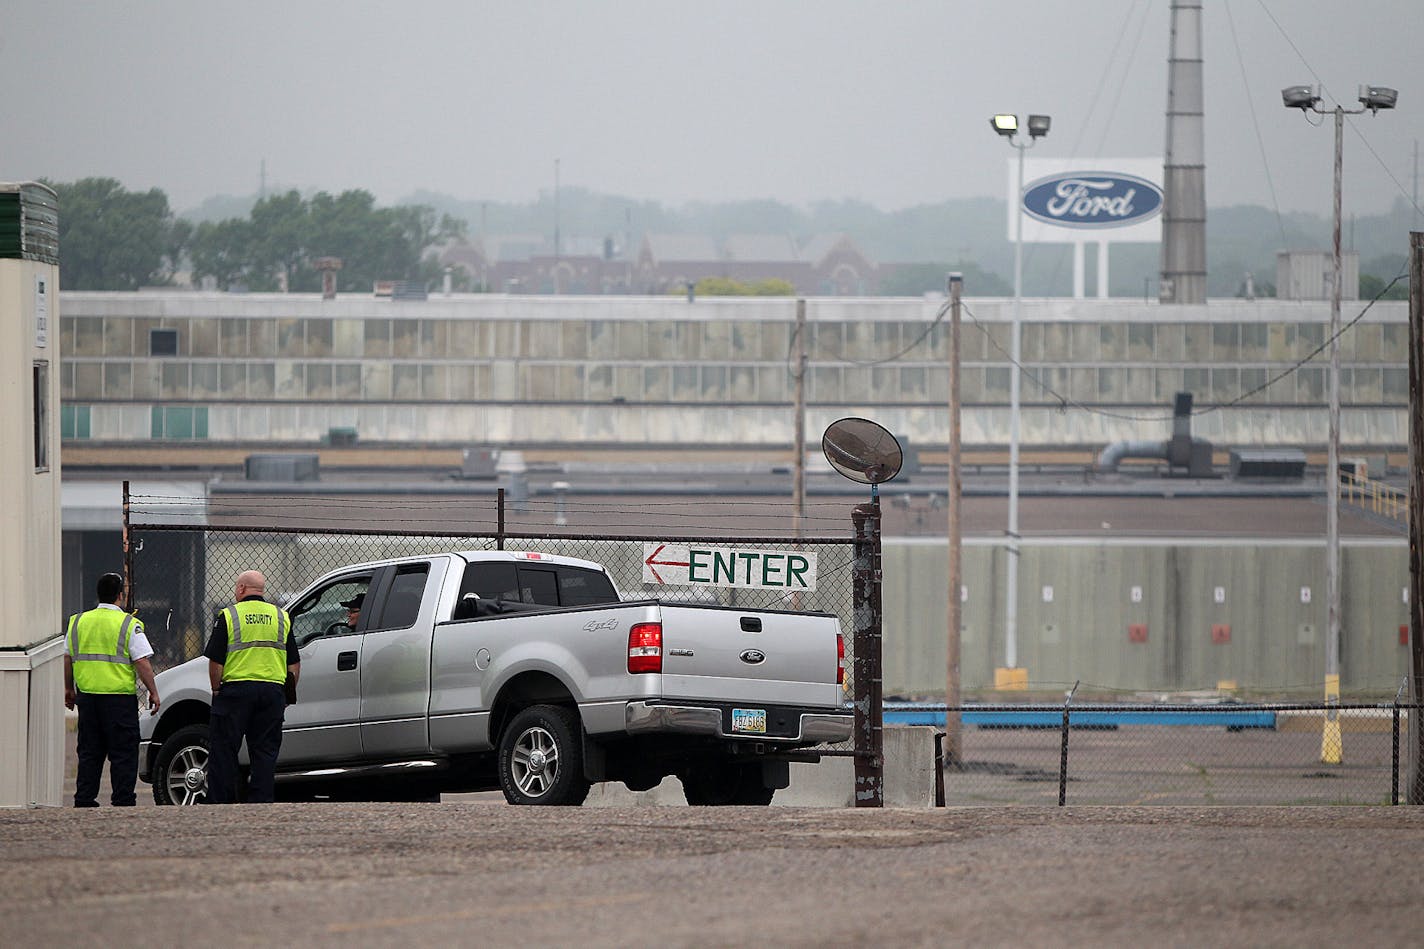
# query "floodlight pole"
(1011, 607)
(1371, 100)
(1012, 676)
(1330, 750)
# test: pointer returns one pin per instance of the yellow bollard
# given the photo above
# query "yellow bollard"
(1330, 745)
(1011, 680)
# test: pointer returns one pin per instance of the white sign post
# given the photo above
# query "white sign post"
(694, 566)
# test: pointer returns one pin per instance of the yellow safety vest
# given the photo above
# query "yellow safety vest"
(98, 644)
(257, 634)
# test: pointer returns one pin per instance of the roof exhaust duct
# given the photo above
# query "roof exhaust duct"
(1184, 170)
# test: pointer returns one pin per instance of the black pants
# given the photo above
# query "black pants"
(108, 728)
(251, 710)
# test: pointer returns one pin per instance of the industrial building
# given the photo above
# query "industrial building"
(518, 371)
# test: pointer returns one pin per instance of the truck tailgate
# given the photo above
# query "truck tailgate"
(767, 657)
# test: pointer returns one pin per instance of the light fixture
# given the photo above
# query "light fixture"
(1299, 97)
(1038, 125)
(1005, 125)
(1375, 98)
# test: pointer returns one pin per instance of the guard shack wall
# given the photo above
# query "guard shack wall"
(1208, 612)
(31, 644)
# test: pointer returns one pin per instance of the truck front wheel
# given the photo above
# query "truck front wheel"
(725, 784)
(180, 774)
(541, 758)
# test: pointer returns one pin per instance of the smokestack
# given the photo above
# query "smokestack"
(1184, 173)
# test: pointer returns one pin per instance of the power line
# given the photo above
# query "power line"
(1256, 124)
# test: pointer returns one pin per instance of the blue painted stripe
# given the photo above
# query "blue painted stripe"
(1054, 719)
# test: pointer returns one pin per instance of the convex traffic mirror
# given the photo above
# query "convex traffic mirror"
(862, 450)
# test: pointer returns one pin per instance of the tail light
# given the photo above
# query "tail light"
(840, 659)
(645, 647)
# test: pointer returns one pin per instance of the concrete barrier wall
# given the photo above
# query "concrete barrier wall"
(1076, 604)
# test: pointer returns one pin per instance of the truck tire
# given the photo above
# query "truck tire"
(721, 785)
(180, 772)
(541, 758)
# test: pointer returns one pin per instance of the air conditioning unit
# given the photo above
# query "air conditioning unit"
(480, 462)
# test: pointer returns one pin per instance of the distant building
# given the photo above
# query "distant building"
(826, 265)
(1309, 275)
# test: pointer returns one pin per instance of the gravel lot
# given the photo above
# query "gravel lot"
(484, 873)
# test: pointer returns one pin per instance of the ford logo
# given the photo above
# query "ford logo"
(1092, 199)
(753, 656)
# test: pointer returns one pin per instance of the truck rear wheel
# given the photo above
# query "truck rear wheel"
(541, 758)
(720, 785)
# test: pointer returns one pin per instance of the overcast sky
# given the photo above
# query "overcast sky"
(671, 101)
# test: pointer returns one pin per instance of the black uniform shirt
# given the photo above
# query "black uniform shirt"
(217, 640)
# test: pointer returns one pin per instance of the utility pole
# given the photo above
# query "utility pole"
(799, 482)
(1415, 787)
(953, 751)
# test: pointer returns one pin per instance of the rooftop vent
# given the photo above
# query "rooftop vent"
(288, 468)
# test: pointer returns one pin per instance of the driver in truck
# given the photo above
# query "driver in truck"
(353, 609)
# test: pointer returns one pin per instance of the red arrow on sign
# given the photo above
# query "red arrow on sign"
(650, 562)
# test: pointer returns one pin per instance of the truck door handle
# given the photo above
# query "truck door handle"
(345, 661)
(751, 624)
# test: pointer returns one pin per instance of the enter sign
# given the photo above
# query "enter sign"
(683, 565)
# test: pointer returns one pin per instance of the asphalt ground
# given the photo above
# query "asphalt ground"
(484, 874)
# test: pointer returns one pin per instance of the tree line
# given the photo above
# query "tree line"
(111, 238)
(115, 239)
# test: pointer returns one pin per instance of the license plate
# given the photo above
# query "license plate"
(749, 720)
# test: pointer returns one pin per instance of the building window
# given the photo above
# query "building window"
(178, 422)
(41, 404)
(74, 421)
(163, 342)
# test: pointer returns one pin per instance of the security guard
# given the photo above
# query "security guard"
(106, 651)
(250, 654)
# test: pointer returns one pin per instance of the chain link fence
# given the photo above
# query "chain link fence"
(182, 575)
(1228, 754)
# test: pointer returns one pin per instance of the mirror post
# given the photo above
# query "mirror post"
(869, 716)
(865, 452)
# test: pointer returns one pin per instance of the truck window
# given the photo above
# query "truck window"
(490, 581)
(580, 587)
(324, 611)
(402, 604)
(538, 586)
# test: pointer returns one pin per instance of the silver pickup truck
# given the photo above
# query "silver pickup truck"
(524, 672)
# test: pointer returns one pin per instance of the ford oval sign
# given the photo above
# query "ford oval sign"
(753, 656)
(1092, 199)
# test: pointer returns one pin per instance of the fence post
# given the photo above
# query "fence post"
(130, 600)
(1063, 754)
(869, 716)
(499, 520)
(939, 769)
(1394, 751)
